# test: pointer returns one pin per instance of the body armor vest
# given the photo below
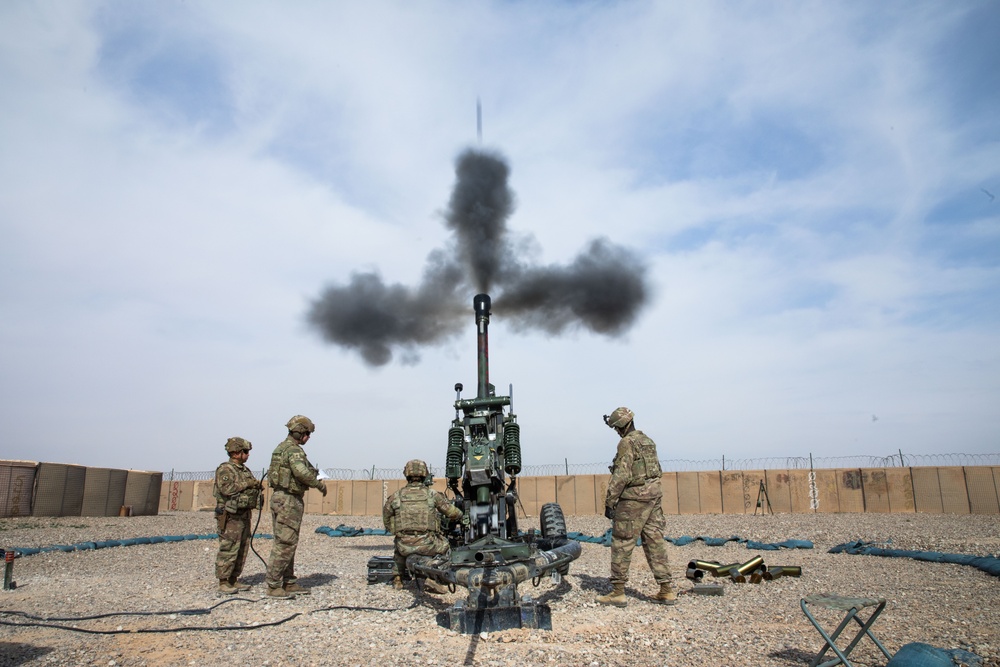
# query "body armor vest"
(415, 511)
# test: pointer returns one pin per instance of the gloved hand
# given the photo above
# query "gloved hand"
(322, 488)
(465, 520)
(609, 512)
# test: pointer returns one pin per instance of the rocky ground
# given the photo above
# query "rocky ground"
(346, 621)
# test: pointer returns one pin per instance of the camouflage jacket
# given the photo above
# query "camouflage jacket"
(635, 473)
(235, 488)
(415, 509)
(290, 469)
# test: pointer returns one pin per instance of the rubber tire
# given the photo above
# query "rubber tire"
(552, 520)
(553, 525)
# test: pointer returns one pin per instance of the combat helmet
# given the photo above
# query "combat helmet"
(415, 468)
(300, 424)
(234, 445)
(619, 418)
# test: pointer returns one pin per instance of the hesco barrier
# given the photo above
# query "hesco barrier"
(17, 480)
(29, 488)
(949, 490)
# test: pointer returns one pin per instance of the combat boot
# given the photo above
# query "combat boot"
(616, 597)
(397, 582)
(226, 588)
(666, 594)
(235, 583)
(278, 593)
(295, 589)
(433, 587)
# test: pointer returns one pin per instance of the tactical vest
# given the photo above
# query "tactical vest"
(245, 499)
(279, 475)
(645, 464)
(414, 511)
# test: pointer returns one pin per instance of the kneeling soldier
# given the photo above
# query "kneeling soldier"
(413, 514)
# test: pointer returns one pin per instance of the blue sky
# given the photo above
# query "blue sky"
(811, 188)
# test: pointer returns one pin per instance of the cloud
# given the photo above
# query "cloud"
(797, 190)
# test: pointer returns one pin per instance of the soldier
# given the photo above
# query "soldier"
(290, 475)
(633, 504)
(237, 493)
(412, 515)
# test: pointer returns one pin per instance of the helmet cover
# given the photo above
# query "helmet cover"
(234, 445)
(415, 468)
(620, 417)
(300, 424)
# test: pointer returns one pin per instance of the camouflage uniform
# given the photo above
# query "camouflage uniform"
(412, 515)
(635, 494)
(290, 475)
(237, 493)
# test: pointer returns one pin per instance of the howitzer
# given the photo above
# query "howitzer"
(489, 556)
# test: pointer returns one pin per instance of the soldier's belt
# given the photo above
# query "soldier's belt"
(289, 492)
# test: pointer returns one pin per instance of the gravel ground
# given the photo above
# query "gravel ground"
(948, 606)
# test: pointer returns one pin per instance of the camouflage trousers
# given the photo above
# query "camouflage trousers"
(635, 519)
(424, 544)
(286, 515)
(234, 542)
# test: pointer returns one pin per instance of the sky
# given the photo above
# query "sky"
(803, 194)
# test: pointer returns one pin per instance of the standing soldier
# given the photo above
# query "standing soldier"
(412, 515)
(290, 475)
(634, 506)
(237, 493)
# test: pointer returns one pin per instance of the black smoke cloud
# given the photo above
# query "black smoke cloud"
(604, 289)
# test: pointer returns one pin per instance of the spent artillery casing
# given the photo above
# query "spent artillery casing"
(777, 571)
(695, 575)
(724, 570)
(710, 565)
(751, 565)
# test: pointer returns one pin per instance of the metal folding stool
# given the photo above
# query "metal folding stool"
(852, 606)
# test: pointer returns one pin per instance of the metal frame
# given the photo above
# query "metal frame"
(830, 639)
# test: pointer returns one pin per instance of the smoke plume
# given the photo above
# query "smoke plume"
(603, 289)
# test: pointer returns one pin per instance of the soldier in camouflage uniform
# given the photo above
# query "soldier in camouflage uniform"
(290, 475)
(237, 493)
(412, 514)
(633, 504)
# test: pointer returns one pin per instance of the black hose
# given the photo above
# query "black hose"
(41, 622)
(152, 630)
(179, 612)
(260, 513)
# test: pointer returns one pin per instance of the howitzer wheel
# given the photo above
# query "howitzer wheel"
(553, 525)
(553, 522)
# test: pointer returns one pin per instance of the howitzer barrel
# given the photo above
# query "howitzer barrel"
(481, 304)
